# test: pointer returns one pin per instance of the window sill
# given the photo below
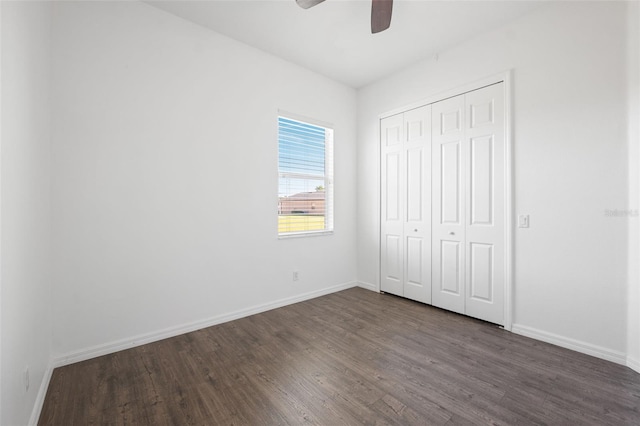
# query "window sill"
(304, 234)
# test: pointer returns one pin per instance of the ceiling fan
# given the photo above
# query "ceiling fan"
(380, 12)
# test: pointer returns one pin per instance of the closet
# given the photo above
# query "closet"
(443, 221)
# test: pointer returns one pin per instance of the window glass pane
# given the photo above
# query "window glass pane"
(303, 196)
(301, 148)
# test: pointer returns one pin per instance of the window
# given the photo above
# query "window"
(305, 184)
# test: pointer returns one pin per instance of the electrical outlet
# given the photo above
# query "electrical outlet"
(296, 275)
(25, 378)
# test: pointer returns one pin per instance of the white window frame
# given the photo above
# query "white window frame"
(328, 176)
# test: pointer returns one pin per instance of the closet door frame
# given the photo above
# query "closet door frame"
(506, 78)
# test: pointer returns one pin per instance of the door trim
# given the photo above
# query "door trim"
(505, 78)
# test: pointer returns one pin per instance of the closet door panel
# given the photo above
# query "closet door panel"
(450, 185)
(481, 273)
(393, 260)
(481, 181)
(415, 184)
(448, 204)
(450, 266)
(485, 198)
(415, 256)
(393, 176)
(392, 210)
(417, 226)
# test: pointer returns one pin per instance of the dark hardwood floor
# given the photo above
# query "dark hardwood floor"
(353, 357)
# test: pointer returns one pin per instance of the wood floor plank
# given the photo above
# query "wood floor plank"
(353, 357)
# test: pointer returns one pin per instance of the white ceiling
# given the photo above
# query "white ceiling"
(334, 38)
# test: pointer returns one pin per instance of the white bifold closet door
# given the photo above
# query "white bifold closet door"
(468, 173)
(406, 204)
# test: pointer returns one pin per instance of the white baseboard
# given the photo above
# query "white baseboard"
(633, 364)
(155, 336)
(367, 286)
(42, 393)
(568, 343)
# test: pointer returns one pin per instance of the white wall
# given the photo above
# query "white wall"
(570, 164)
(25, 206)
(165, 176)
(633, 76)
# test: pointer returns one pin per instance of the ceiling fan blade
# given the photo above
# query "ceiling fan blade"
(306, 4)
(380, 15)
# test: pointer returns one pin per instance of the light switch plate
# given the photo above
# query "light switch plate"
(523, 221)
